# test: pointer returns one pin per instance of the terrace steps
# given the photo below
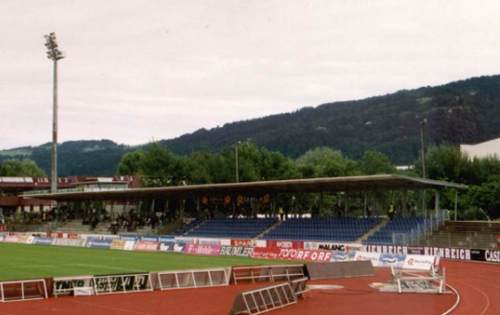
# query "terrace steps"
(374, 230)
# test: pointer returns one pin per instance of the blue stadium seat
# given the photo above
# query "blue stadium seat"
(231, 228)
(322, 229)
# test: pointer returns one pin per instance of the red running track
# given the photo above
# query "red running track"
(478, 284)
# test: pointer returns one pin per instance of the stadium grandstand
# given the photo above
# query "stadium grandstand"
(251, 210)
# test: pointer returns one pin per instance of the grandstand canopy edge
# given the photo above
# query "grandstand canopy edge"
(324, 184)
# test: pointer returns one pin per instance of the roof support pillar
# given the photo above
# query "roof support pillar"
(456, 204)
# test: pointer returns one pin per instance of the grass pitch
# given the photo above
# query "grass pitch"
(18, 261)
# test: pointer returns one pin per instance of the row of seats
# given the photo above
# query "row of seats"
(322, 229)
(241, 228)
(396, 226)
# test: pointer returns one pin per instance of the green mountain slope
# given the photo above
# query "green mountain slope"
(466, 111)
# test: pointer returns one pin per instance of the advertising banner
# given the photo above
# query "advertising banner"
(99, 243)
(166, 238)
(3, 227)
(416, 250)
(371, 256)
(129, 237)
(69, 242)
(265, 253)
(150, 238)
(419, 262)
(245, 243)
(146, 245)
(285, 244)
(42, 240)
(492, 256)
(212, 250)
(25, 239)
(333, 246)
(391, 260)
(260, 243)
(340, 255)
(239, 251)
(167, 245)
(448, 253)
(386, 249)
(118, 244)
(305, 254)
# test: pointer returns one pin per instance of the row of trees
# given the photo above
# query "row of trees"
(158, 166)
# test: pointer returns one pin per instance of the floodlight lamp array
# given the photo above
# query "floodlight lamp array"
(53, 51)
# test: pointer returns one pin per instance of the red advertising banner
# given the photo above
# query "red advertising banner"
(306, 254)
(285, 244)
(146, 245)
(212, 250)
(265, 253)
(292, 254)
(3, 227)
(244, 243)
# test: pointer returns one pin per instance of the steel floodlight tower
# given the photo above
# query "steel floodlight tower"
(54, 54)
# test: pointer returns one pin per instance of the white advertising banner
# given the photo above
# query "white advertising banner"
(419, 262)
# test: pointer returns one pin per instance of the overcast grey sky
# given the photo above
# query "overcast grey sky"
(142, 70)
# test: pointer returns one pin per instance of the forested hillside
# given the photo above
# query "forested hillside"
(93, 158)
(465, 111)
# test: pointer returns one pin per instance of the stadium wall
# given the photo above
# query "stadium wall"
(380, 255)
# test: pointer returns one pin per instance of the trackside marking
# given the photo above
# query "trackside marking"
(457, 301)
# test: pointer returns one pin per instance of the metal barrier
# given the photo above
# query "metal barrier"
(79, 285)
(111, 284)
(268, 273)
(263, 300)
(196, 278)
(23, 290)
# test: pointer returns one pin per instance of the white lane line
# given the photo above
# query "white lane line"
(457, 301)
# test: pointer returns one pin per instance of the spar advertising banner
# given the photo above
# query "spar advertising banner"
(147, 245)
(42, 240)
(239, 251)
(212, 250)
(244, 243)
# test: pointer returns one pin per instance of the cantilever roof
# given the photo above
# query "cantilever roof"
(326, 184)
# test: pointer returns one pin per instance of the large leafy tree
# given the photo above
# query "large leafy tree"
(323, 162)
(21, 168)
(374, 162)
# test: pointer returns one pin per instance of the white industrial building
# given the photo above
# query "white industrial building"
(481, 150)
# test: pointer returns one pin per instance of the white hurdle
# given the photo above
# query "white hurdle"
(6, 288)
(195, 278)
